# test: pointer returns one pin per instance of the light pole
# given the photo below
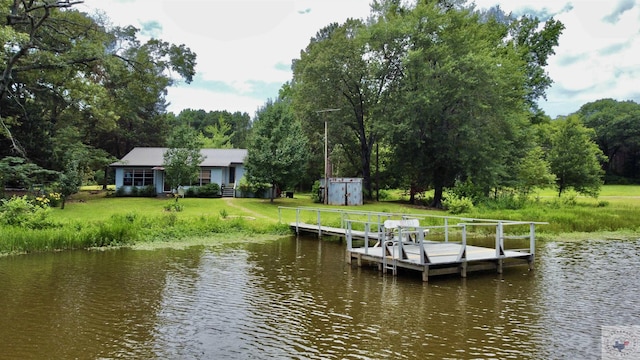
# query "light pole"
(326, 155)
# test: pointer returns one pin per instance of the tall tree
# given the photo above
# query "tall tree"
(535, 42)
(278, 151)
(533, 171)
(217, 136)
(64, 69)
(617, 127)
(461, 99)
(339, 70)
(46, 44)
(575, 157)
(137, 75)
(233, 128)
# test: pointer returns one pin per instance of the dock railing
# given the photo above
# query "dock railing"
(419, 236)
(440, 228)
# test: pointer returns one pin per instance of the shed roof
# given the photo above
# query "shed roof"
(154, 156)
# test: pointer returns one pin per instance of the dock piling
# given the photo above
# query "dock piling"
(429, 249)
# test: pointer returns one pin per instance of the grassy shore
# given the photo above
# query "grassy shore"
(90, 219)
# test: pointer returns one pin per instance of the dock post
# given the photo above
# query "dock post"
(319, 225)
(530, 262)
(499, 246)
(463, 269)
(425, 273)
(446, 230)
(532, 238)
(366, 237)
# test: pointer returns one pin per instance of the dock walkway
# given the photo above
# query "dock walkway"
(374, 238)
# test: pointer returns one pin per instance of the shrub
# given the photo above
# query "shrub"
(19, 211)
(148, 191)
(120, 192)
(209, 190)
(133, 191)
(55, 199)
(251, 189)
(505, 200)
(466, 189)
(316, 196)
(192, 191)
(384, 194)
(456, 204)
(173, 206)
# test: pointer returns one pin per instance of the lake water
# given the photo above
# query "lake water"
(298, 299)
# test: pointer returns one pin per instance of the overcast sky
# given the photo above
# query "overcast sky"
(245, 47)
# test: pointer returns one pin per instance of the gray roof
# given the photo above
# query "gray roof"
(154, 156)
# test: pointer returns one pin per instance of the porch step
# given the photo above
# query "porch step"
(228, 192)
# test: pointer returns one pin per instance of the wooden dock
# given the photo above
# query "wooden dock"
(405, 244)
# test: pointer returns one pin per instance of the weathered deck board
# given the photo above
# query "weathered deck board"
(328, 230)
(442, 257)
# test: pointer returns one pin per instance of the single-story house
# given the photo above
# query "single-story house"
(142, 166)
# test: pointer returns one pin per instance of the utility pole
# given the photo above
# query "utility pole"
(326, 154)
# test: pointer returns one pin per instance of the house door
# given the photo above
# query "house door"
(232, 175)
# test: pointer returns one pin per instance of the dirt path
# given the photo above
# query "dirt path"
(233, 204)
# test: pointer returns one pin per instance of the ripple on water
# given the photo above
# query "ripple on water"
(299, 299)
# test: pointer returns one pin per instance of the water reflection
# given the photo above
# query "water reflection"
(297, 298)
(81, 304)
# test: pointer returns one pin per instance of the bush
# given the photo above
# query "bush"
(173, 206)
(19, 211)
(55, 199)
(316, 196)
(192, 191)
(456, 204)
(148, 191)
(250, 189)
(505, 200)
(209, 191)
(120, 192)
(133, 191)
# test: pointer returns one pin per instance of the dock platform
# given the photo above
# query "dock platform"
(390, 243)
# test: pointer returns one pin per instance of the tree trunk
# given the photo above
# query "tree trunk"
(105, 179)
(438, 187)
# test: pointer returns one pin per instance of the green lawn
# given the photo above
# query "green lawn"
(616, 209)
(91, 219)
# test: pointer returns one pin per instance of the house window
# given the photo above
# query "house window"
(205, 177)
(138, 177)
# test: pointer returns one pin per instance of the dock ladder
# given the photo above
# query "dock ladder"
(388, 260)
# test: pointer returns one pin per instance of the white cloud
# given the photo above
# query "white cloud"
(238, 42)
(241, 42)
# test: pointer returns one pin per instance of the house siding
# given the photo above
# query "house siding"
(217, 161)
(216, 176)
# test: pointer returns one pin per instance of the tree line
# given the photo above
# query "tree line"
(426, 95)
